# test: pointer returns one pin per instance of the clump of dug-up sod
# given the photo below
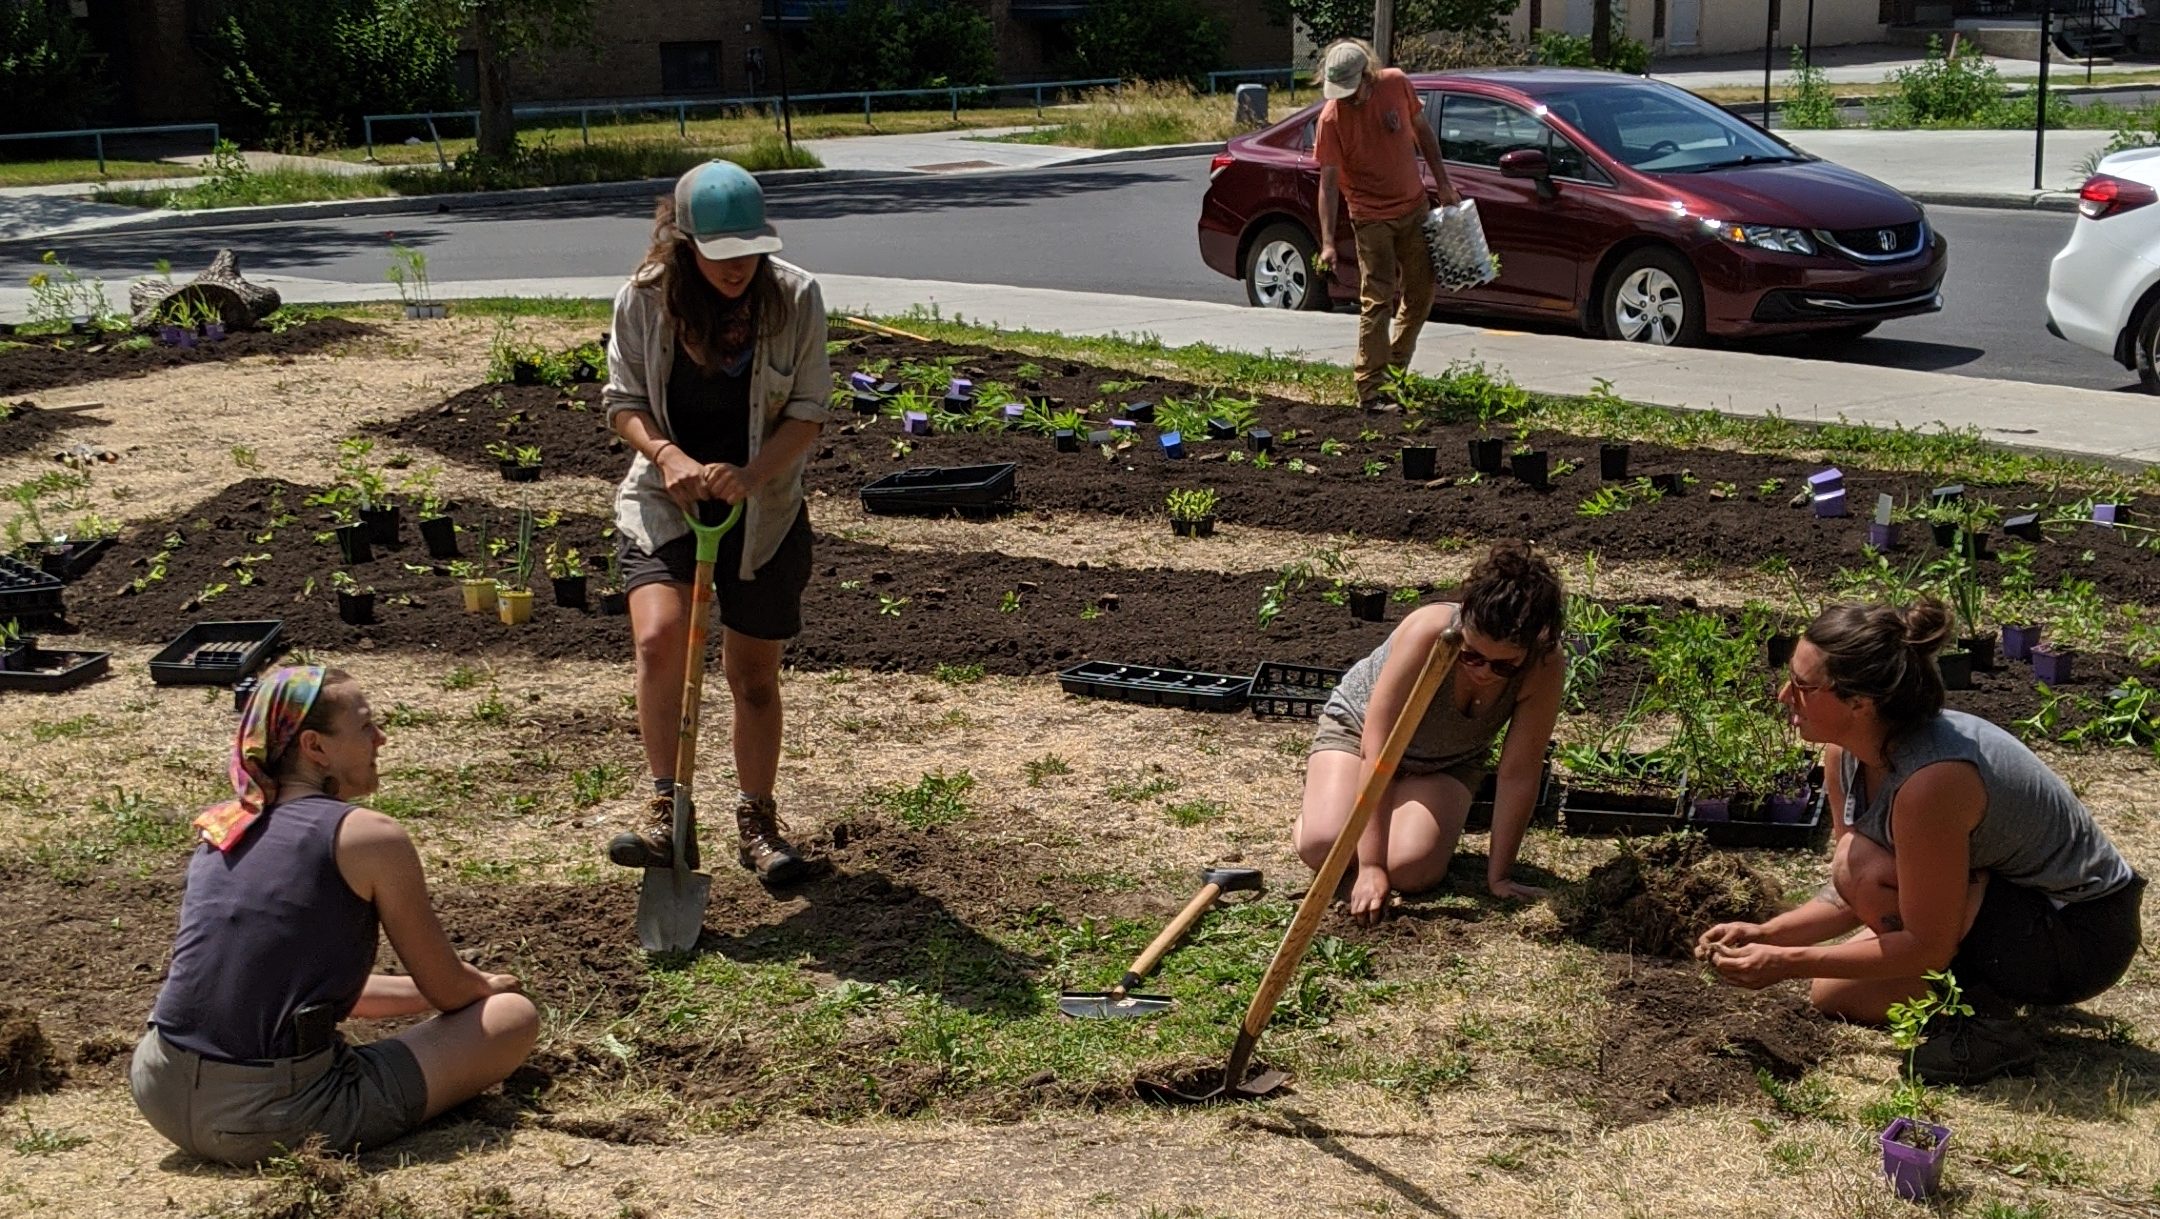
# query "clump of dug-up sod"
(312, 1184)
(1657, 897)
(27, 1060)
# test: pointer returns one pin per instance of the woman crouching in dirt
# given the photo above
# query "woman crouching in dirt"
(1955, 848)
(1507, 676)
(718, 378)
(278, 929)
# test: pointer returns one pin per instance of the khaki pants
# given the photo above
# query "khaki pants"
(356, 1097)
(1395, 278)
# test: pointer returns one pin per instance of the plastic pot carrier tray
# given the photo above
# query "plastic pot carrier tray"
(1281, 691)
(1156, 687)
(215, 653)
(935, 490)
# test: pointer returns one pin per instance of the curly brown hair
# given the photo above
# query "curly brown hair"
(672, 262)
(1514, 596)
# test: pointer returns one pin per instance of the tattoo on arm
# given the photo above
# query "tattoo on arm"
(1890, 922)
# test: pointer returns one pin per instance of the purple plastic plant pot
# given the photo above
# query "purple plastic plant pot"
(915, 423)
(1882, 537)
(1015, 412)
(862, 383)
(2107, 514)
(187, 340)
(1068, 441)
(1712, 808)
(214, 331)
(170, 335)
(960, 389)
(1173, 445)
(1826, 481)
(1788, 808)
(1914, 1174)
(1124, 425)
(2052, 665)
(1831, 504)
(2018, 641)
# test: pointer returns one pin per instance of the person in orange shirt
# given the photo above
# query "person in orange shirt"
(1370, 135)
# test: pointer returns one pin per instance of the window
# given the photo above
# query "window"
(1479, 130)
(689, 67)
(1568, 161)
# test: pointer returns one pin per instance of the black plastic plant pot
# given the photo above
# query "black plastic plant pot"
(615, 603)
(524, 372)
(1221, 429)
(382, 525)
(1945, 533)
(1368, 604)
(1420, 462)
(569, 591)
(357, 609)
(1781, 649)
(2026, 527)
(1260, 440)
(1485, 454)
(515, 472)
(1530, 468)
(1139, 412)
(1068, 441)
(867, 403)
(1956, 668)
(13, 657)
(583, 371)
(69, 560)
(1612, 462)
(1882, 537)
(1982, 650)
(1668, 485)
(1203, 527)
(355, 542)
(242, 691)
(1947, 494)
(440, 534)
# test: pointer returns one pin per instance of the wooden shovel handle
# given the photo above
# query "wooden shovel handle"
(1295, 941)
(876, 328)
(701, 603)
(1153, 953)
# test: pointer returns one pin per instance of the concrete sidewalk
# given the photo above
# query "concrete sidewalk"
(1863, 64)
(2089, 423)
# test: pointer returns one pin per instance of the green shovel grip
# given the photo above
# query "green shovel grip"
(708, 536)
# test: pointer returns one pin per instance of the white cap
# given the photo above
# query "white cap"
(1344, 70)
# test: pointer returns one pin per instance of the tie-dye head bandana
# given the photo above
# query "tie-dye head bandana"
(270, 723)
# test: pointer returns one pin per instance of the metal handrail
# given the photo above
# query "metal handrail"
(99, 133)
(683, 106)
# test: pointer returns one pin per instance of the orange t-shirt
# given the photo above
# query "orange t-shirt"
(1374, 145)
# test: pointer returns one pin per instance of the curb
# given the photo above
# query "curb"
(2020, 201)
(1152, 152)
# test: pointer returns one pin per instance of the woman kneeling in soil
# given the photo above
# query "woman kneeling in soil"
(1956, 848)
(278, 934)
(1507, 676)
(718, 378)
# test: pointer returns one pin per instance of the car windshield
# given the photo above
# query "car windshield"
(1660, 129)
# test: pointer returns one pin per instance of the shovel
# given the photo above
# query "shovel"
(1118, 1003)
(1234, 1085)
(671, 902)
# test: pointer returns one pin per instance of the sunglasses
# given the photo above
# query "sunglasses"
(1478, 660)
(1804, 687)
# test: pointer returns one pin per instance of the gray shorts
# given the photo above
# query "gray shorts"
(1338, 735)
(356, 1097)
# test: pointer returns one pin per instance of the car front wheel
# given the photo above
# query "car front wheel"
(1653, 297)
(1279, 270)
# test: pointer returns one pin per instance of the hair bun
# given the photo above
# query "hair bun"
(1927, 625)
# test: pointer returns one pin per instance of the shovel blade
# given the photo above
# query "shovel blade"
(671, 909)
(1102, 1005)
(1264, 1084)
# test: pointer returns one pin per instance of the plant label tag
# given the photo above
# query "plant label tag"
(1884, 506)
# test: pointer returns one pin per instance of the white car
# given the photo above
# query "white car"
(2104, 287)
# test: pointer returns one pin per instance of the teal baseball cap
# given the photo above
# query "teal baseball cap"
(721, 207)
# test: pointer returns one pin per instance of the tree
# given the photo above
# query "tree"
(46, 81)
(877, 44)
(502, 30)
(1149, 40)
(1328, 20)
(303, 74)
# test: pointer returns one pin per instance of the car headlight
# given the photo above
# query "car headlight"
(1762, 236)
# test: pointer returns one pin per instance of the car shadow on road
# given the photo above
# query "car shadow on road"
(1879, 352)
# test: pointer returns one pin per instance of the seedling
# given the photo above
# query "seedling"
(1908, 1023)
(889, 607)
(1193, 505)
(1011, 602)
(564, 563)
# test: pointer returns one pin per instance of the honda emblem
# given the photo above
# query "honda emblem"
(1887, 239)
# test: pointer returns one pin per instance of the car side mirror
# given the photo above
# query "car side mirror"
(1532, 164)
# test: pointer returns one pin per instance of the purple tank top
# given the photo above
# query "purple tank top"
(266, 929)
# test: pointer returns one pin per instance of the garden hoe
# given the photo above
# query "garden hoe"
(1234, 1085)
(671, 904)
(1119, 1002)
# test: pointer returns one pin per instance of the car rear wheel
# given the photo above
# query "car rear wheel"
(1279, 271)
(2148, 349)
(1653, 297)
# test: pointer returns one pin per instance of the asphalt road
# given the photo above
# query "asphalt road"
(1112, 228)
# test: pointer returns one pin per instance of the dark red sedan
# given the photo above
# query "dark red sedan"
(1617, 205)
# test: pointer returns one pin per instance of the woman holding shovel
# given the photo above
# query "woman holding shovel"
(286, 899)
(1508, 675)
(719, 381)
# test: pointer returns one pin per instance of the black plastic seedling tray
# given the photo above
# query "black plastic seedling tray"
(216, 653)
(49, 672)
(1811, 832)
(68, 562)
(1545, 812)
(1586, 812)
(1294, 692)
(27, 593)
(935, 490)
(1157, 687)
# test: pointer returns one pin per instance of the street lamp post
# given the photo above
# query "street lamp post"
(2047, 52)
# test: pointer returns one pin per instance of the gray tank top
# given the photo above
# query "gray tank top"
(1445, 737)
(266, 929)
(2033, 832)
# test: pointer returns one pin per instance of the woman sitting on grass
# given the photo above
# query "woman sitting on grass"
(1508, 676)
(277, 942)
(1956, 848)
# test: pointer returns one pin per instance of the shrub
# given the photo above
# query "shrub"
(1809, 102)
(1561, 50)
(877, 44)
(1149, 40)
(46, 81)
(1446, 51)
(1942, 91)
(1328, 20)
(299, 76)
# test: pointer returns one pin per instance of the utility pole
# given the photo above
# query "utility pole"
(787, 119)
(1769, 42)
(2047, 52)
(1383, 30)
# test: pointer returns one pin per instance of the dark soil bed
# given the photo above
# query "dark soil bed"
(566, 424)
(1656, 898)
(36, 362)
(1674, 1037)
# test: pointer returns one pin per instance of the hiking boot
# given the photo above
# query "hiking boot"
(651, 844)
(1975, 1049)
(762, 849)
(1380, 406)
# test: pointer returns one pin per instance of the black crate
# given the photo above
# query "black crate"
(1545, 812)
(1292, 692)
(27, 593)
(1589, 812)
(68, 561)
(216, 653)
(1811, 832)
(1156, 687)
(49, 672)
(934, 491)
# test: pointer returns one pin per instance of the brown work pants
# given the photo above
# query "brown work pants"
(1395, 278)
